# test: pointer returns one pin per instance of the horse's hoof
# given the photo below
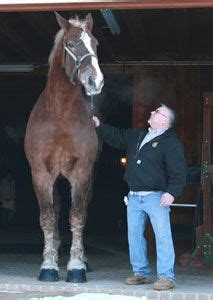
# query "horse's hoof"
(50, 275)
(88, 267)
(76, 276)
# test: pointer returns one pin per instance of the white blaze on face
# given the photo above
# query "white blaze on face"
(87, 43)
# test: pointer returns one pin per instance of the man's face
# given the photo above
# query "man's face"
(159, 118)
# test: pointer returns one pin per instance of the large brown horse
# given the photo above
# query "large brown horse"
(61, 140)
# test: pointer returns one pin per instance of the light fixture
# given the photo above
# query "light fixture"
(16, 68)
(111, 21)
(123, 161)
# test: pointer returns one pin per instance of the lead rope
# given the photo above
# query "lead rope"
(92, 105)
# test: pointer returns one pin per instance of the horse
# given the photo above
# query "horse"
(60, 140)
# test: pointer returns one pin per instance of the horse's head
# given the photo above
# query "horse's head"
(80, 54)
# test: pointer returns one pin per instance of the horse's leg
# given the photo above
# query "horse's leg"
(81, 186)
(57, 208)
(43, 185)
(89, 197)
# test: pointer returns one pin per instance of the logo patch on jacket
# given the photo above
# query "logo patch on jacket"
(154, 144)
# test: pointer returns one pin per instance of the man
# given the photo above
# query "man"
(156, 174)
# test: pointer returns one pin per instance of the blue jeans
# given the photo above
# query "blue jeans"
(138, 209)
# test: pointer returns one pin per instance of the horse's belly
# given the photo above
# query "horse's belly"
(57, 150)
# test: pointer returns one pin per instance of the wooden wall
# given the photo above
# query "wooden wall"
(180, 88)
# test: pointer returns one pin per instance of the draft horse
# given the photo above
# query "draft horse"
(61, 140)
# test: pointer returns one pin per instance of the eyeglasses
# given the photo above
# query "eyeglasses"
(158, 112)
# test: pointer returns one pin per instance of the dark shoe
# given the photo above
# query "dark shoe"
(137, 279)
(163, 284)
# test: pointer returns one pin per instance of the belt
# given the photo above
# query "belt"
(141, 193)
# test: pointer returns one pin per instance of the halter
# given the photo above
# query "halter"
(77, 61)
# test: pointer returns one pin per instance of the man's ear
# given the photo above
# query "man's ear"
(166, 122)
(89, 22)
(63, 23)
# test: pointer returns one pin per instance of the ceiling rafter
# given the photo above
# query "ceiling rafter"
(42, 23)
(9, 29)
(145, 35)
(119, 4)
(8, 51)
(105, 46)
(181, 19)
(140, 40)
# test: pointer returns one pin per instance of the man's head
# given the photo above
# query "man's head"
(162, 117)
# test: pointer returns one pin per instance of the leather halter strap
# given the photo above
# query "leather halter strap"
(77, 62)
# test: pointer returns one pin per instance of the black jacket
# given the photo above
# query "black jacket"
(158, 166)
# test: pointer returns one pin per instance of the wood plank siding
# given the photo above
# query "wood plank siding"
(180, 88)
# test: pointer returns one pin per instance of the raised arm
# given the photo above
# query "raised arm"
(115, 137)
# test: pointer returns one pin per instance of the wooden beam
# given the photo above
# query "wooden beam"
(16, 42)
(207, 154)
(132, 22)
(104, 44)
(183, 33)
(111, 4)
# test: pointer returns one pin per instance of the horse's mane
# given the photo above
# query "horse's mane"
(57, 41)
(76, 22)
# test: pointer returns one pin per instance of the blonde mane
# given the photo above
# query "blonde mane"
(57, 41)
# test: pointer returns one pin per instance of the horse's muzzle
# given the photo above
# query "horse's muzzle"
(91, 87)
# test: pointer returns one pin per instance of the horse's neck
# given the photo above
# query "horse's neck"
(58, 83)
(58, 88)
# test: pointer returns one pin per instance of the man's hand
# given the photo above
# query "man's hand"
(166, 199)
(96, 121)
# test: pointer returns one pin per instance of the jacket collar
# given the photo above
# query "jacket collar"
(157, 131)
(169, 132)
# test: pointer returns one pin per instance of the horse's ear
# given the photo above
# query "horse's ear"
(63, 23)
(89, 21)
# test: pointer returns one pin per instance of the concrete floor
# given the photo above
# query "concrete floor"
(21, 255)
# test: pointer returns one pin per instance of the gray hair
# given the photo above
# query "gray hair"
(172, 115)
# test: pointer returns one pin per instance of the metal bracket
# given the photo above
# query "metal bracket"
(207, 168)
(208, 171)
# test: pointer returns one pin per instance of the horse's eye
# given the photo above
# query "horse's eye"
(71, 44)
